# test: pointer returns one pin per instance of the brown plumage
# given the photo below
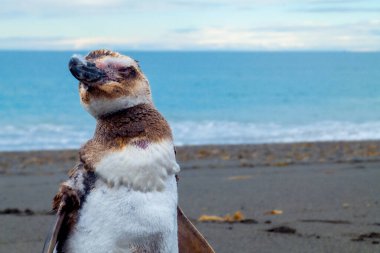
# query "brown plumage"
(101, 53)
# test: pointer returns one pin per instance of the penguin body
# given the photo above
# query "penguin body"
(122, 195)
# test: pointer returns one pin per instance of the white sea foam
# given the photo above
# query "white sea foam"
(47, 136)
(238, 133)
(41, 136)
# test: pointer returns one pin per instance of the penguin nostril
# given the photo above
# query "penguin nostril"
(91, 64)
(73, 62)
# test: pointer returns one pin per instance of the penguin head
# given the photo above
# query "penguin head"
(109, 82)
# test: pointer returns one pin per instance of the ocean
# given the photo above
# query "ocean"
(207, 97)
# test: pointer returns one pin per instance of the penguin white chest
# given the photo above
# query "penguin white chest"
(133, 205)
(123, 220)
(141, 165)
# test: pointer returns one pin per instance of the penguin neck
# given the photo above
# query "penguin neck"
(138, 125)
(142, 120)
(131, 113)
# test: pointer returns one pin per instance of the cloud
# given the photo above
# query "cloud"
(185, 30)
(339, 6)
(67, 43)
(206, 25)
(360, 36)
(52, 8)
(230, 38)
(337, 1)
(341, 9)
(47, 8)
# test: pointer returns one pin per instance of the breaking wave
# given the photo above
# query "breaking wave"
(244, 133)
(48, 136)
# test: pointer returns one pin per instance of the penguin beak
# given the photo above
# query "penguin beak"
(86, 72)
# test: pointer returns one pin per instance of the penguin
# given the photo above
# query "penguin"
(122, 194)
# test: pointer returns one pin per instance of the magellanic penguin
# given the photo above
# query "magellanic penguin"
(122, 196)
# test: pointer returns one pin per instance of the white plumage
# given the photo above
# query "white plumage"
(102, 106)
(141, 169)
(124, 220)
(133, 205)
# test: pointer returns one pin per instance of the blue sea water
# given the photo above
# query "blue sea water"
(208, 97)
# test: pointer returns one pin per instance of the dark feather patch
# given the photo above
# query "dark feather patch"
(100, 53)
(71, 196)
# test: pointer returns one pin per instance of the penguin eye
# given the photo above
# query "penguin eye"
(124, 69)
(127, 71)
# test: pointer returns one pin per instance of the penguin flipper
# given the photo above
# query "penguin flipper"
(66, 203)
(190, 240)
(53, 238)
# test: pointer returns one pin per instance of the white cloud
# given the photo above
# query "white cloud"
(84, 24)
(54, 7)
(229, 38)
(63, 43)
(50, 8)
(309, 36)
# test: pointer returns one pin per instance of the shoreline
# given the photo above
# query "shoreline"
(220, 156)
(364, 141)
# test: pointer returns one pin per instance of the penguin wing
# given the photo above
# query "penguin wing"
(190, 240)
(52, 239)
(67, 203)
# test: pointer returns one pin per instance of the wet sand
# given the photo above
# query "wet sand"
(329, 195)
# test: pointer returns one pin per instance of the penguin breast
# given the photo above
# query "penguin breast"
(119, 219)
(140, 165)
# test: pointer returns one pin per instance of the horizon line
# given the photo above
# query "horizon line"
(196, 50)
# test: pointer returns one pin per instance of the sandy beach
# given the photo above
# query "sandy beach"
(326, 196)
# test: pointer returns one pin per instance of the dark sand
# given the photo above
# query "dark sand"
(329, 194)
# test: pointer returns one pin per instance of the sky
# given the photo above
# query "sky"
(235, 25)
